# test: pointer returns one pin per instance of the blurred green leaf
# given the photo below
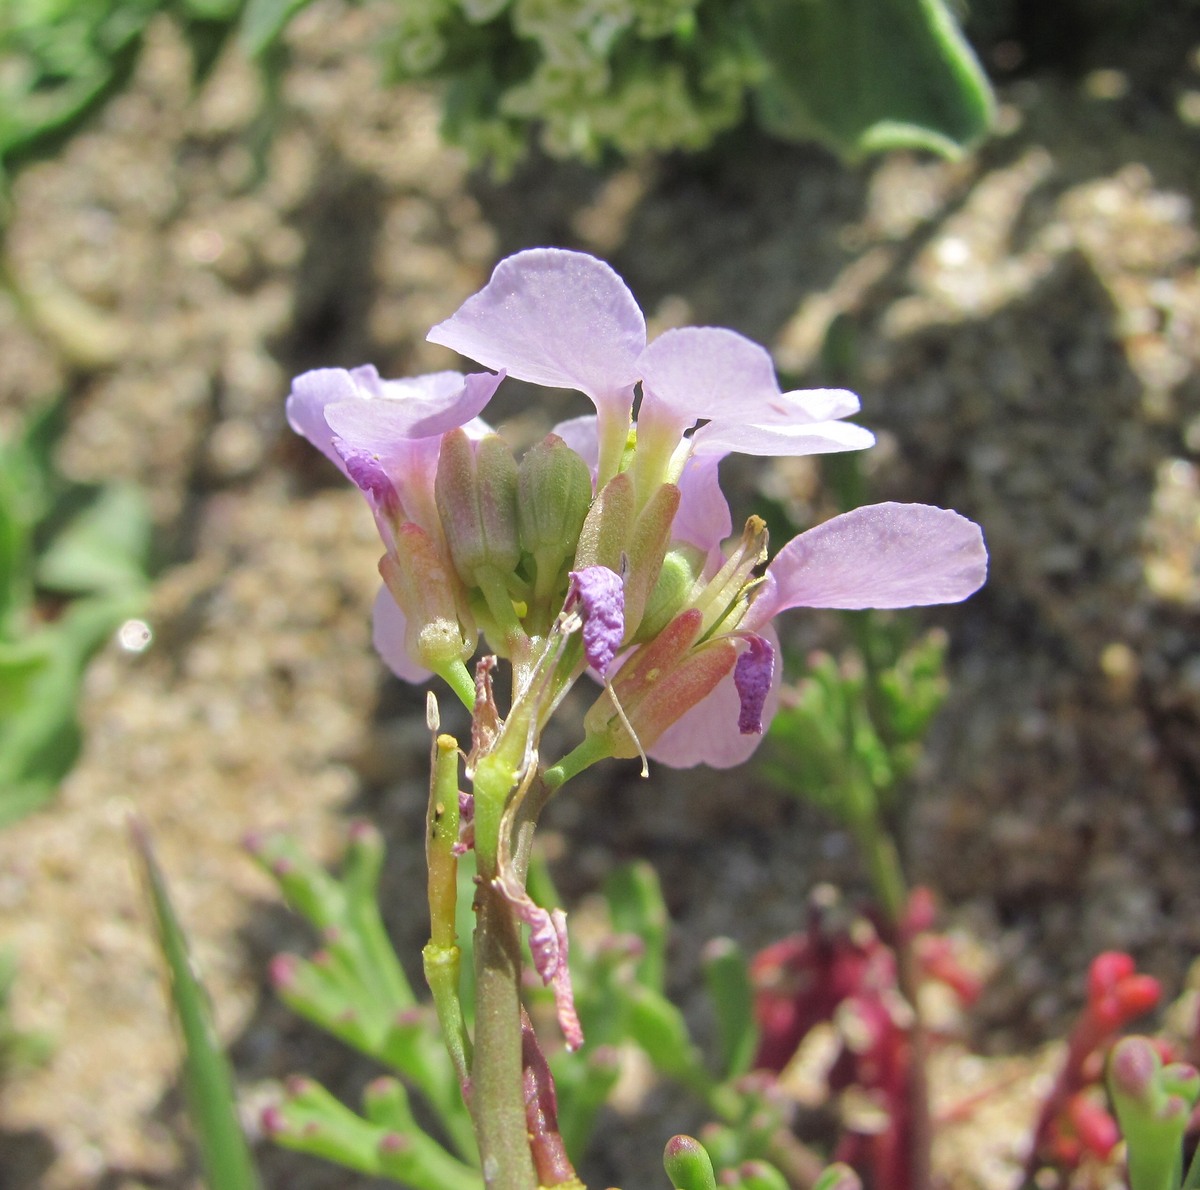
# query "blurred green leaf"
(862, 76)
(59, 60)
(727, 978)
(104, 548)
(226, 1156)
(263, 22)
(39, 683)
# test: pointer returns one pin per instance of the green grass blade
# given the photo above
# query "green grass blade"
(228, 1163)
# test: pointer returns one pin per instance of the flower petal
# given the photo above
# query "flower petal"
(423, 407)
(708, 733)
(580, 434)
(552, 317)
(311, 393)
(703, 518)
(698, 372)
(811, 404)
(883, 555)
(778, 440)
(389, 631)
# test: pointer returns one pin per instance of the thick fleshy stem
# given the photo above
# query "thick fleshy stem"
(498, 1099)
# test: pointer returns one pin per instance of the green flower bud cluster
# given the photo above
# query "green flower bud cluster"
(511, 531)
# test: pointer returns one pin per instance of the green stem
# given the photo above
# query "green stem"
(497, 1100)
(589, 750)
(456, 675)
(497, 1091)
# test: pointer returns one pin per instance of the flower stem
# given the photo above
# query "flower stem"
(497, 1097)
(497, 1091)
(891, 890)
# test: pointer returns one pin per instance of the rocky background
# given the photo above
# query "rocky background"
(1024, 328)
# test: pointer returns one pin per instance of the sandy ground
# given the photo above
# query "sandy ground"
(1024, 333)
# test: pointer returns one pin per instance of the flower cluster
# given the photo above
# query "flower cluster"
(602, 547)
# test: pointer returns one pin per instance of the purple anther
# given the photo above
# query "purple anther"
(752, 678)
(369, 475)
(601, 597)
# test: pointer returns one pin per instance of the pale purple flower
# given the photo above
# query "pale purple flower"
(567, 320)
(384, 435)
(880, 556)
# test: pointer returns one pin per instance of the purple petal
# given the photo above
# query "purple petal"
(779, 440)
(421, 407)
(703, 518)
(389, 632)
(580, 434)
(552, 317)
(809, 405)
(601, 595)
(883, 555)
(752, 679)
(706, 372)
(708, 733)
(306, 404)
(371, 477)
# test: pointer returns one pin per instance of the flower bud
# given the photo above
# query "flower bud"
(554, 490)
(647, 546)
(418, 580)
(680, 569)
(660, 683)
(605, 533)
(476, 495)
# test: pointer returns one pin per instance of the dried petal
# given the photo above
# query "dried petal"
(601, 598)
(752, 677)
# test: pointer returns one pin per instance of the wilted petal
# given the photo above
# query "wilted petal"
(389, 631)
(777, 440)
(883, 555)
(601, 597)
(708, 733)
(552, 317)
(705, 372)
(752, 677)
(548, 947)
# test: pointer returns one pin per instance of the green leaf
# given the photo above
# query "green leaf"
(862, 76)
(39, 687)
(727, 978)
(228, 1163)
(688, 1164)
(264, 20)
(104, 548)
